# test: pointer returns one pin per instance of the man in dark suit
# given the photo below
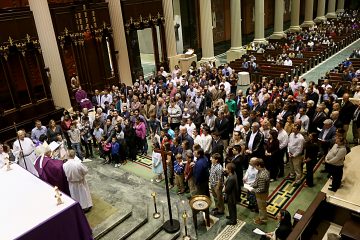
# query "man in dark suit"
(346, 112)
(201, 173)
(96, 99)
(255, 142)
(238, 161)
(217, 146)
(221, 126)
(327, 136)
(231, 193)
(318, 119)
(311, 95)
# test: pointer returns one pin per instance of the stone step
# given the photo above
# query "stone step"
(111, 222)
(162, 235)
(127, 228)
(149, 230)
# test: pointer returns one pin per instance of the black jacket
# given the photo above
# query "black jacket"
(258, 144)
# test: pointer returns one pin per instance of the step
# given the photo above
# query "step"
(126, 228)
(149, 230)
(162, 235)
(111, 222)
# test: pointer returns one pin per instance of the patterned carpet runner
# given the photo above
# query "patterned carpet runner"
(230, 231)
(282, 196)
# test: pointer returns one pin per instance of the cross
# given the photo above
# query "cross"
(172, 225)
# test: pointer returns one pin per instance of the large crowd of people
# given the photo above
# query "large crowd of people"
(212, 128)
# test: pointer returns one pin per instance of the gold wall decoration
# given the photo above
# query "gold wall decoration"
(143, 22)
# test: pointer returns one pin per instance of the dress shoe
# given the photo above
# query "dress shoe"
(332, 189)
(231, 222)
(227, 217)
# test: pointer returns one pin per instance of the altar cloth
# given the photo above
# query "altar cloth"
(28, 210)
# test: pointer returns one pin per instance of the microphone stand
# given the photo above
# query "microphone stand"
(21, 149)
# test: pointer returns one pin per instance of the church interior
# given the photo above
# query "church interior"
(82, 78)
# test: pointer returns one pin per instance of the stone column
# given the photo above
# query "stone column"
(259, 22)
(206, 31)
(50, 52)
(331, 9)
(295, 14)
(279, 20)
(308, 21)
(236, 50)
(340, 6)
(170, 33)
(320, 16)
(120, 44)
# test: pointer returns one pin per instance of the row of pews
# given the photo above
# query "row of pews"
(311, 57)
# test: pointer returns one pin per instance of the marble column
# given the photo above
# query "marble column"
(279, 20)
(309, 7)
(295, 14)
(236, 50)
(340, 6)
(320, 15)
(50, 52)
(331, 9)
(259, 22)
(170, 33)
(120, 44)
(206, 31)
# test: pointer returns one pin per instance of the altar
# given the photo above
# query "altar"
(29, 210)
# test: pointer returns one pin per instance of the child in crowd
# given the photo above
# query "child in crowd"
(105, 150)
(85, 127)
(188, 173)
(217, 183)
(249, 178)
(157, 166)
(179, 174)
(115, 150)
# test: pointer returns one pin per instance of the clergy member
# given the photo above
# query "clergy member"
(24, 152)
(51, 170)
(75, 172)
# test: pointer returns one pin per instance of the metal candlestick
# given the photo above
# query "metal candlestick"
(171, 225)
(184, 216)
(156, 214)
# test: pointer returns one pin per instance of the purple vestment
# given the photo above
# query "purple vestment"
(53, 173)
(81, 98)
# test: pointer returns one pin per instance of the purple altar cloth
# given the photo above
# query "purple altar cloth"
(70, 224)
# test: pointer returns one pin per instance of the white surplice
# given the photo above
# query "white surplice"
(75, 172)
(28, 148)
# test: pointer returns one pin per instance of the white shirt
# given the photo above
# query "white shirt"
(296, 144)
(190, 128)
(283, 138)
(305, 121)
(206, 143)
(288, 62)
(251, 140)
(250, 175)
(227, 86)
(105, 98)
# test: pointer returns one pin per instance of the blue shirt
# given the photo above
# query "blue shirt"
(178, 169)
(115, 147)
(201, 170)
(36, 132)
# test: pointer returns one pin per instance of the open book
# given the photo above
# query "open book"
(248, 187)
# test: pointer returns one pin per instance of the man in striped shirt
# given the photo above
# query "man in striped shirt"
(217, 184)
(261, 189)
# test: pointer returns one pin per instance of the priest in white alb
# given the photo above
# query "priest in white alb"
(24, 149)
(75, 172)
